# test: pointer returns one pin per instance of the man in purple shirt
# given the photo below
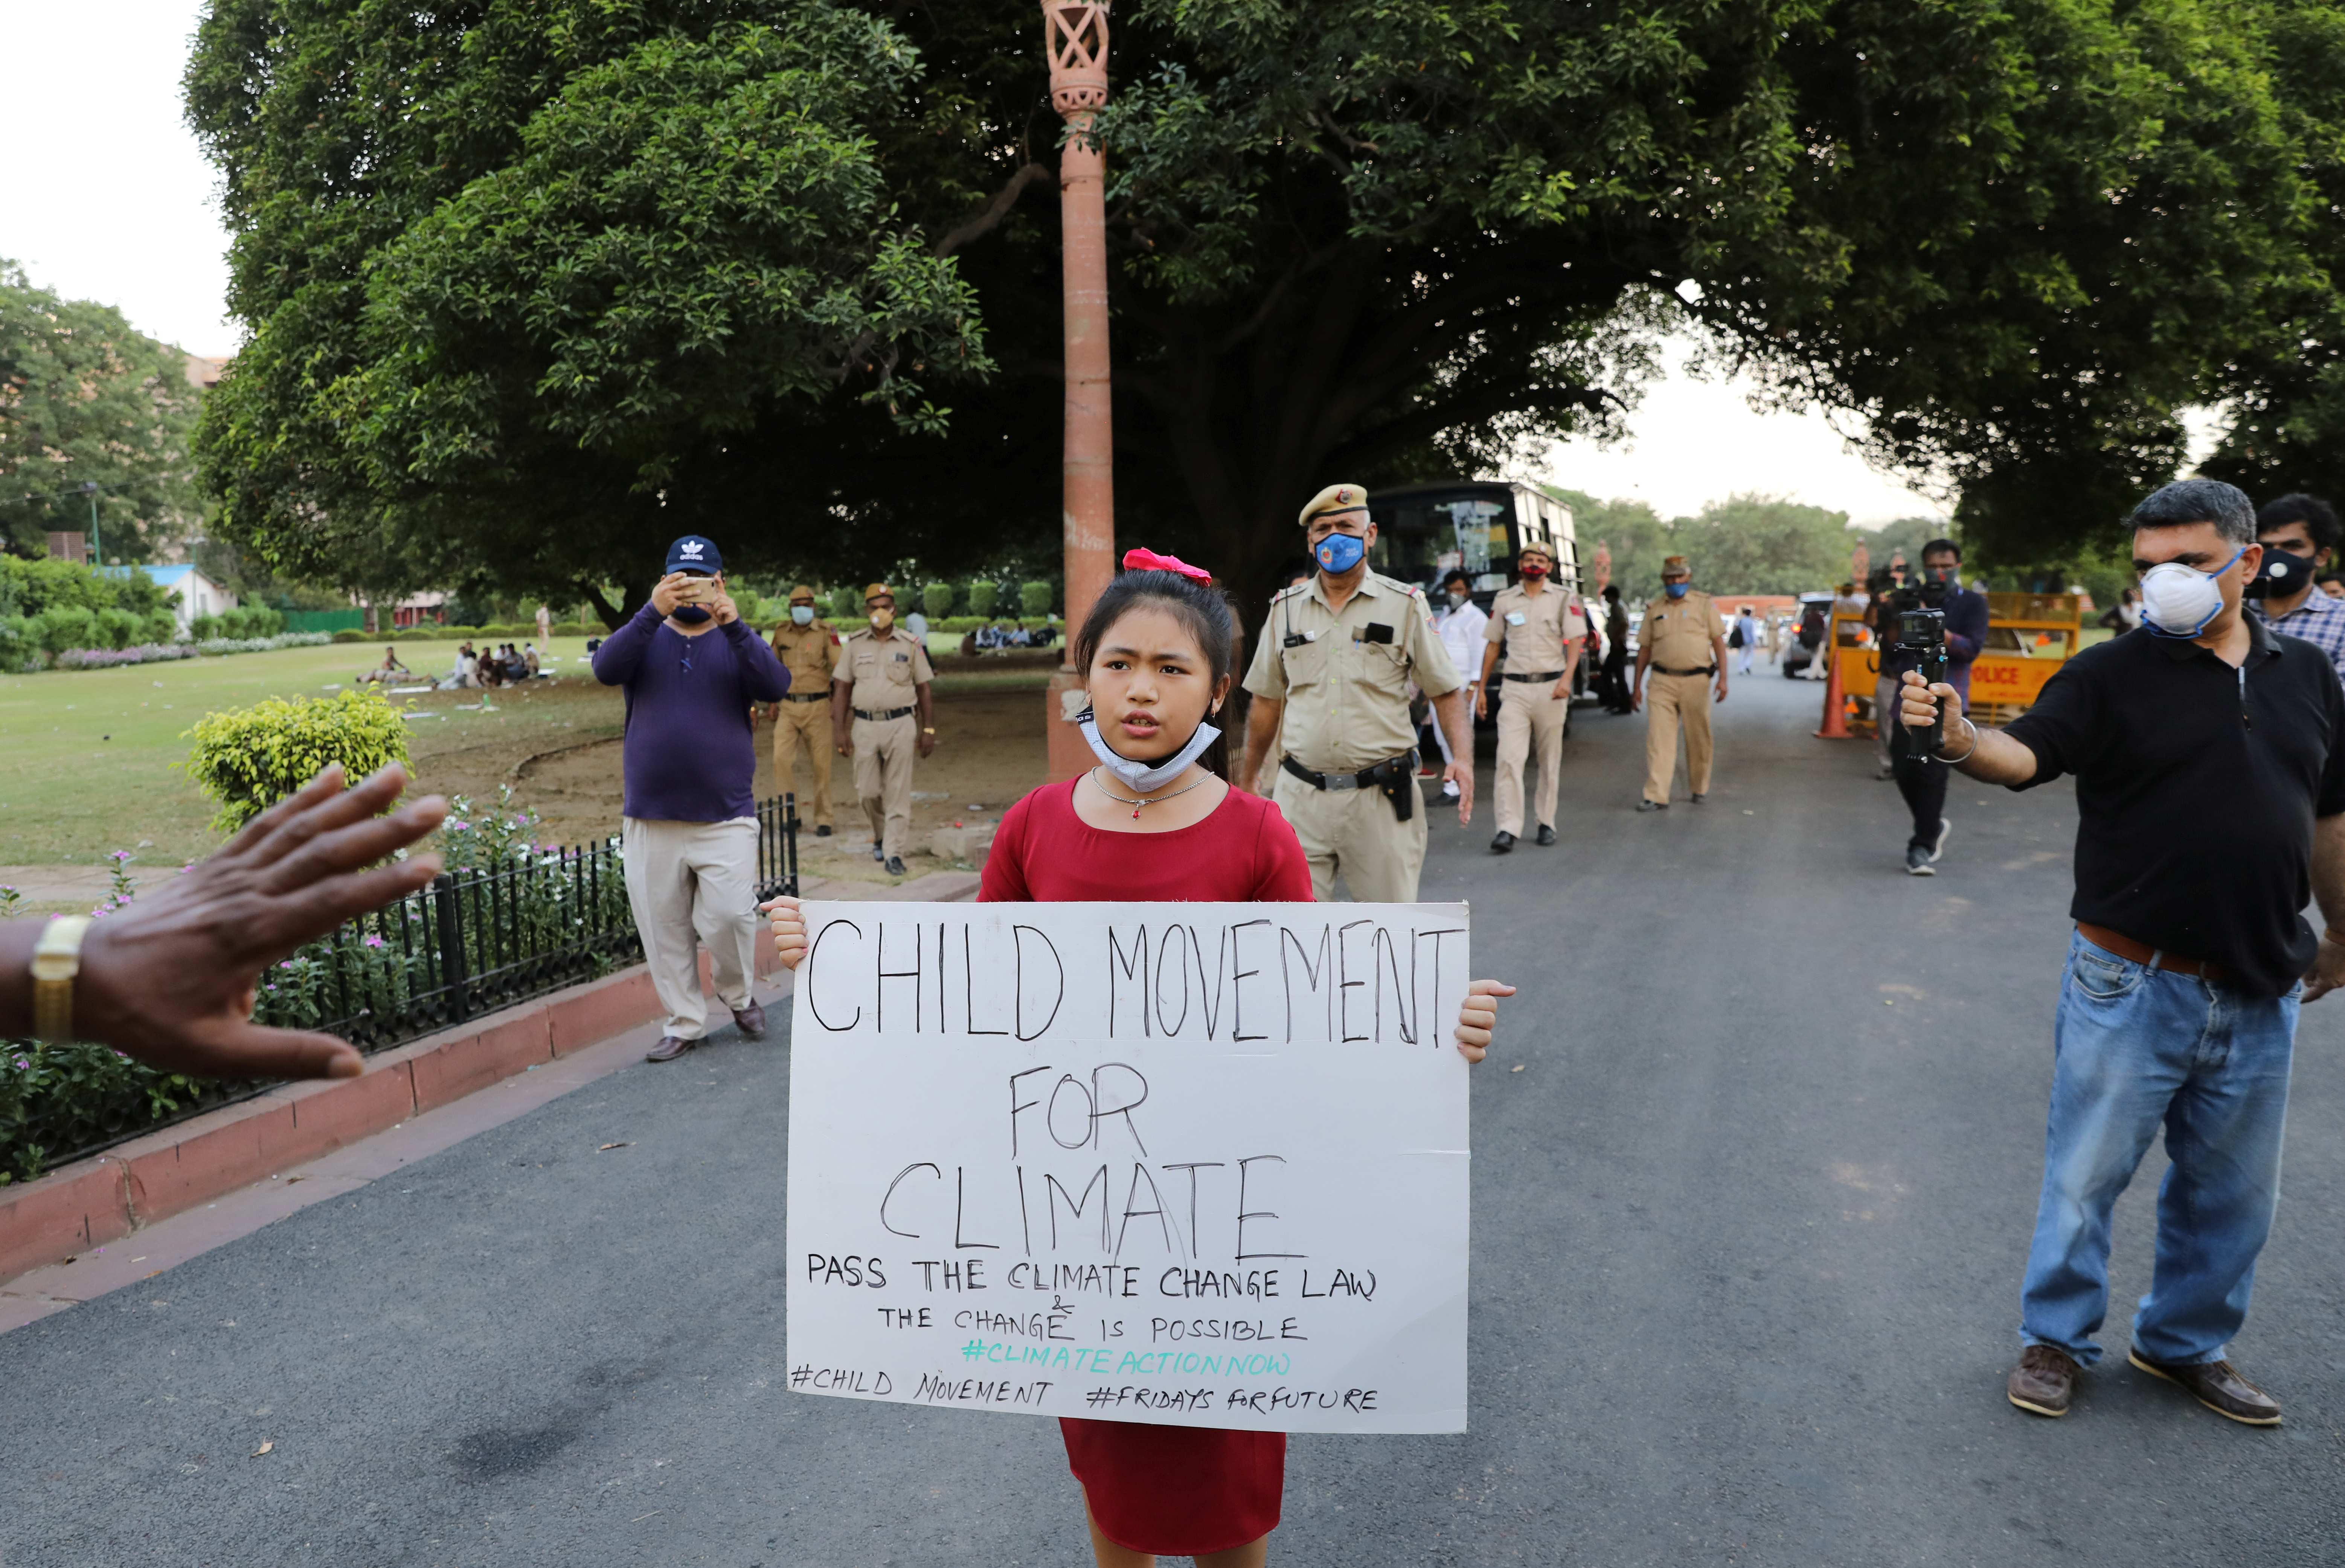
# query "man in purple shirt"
(692, 671)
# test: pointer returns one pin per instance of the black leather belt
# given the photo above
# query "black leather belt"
(1706, 669)
(881, 717)
(810, 696)
(1395, 776)
(1544, 675)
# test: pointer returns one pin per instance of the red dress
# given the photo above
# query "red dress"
(1173, 1490)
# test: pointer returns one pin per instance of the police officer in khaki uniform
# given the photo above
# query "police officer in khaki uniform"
(1330, 685)
(810, 650)
(1540, 628)
(1681, 643)
(880, 714)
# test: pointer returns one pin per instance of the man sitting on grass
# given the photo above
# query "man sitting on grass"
(383, 674)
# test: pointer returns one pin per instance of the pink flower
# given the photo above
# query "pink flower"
(374, 942)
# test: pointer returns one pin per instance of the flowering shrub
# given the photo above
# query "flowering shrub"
(21, 647)
(263, 645)
(138, 653)
(58, 1098)
(492, 841)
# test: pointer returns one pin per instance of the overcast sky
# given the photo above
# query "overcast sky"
(118, 209)
(108, 198)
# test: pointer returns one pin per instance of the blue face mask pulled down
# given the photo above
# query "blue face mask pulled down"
(1339, 553)
(1676, 590)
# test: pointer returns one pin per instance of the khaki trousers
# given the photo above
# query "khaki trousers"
(689, 880)
(803, 726)
(1528, 719)
(1353, 831)
(884, 749)
(1670, 700)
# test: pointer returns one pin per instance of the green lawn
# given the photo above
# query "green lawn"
(87, 759)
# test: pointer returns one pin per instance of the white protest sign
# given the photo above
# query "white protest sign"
(1202, 1165)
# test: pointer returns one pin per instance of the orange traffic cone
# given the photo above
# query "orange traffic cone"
(1835, 700)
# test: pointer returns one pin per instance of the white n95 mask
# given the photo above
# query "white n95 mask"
(2178, 601)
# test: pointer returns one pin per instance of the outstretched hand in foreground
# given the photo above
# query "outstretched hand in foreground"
(1475, 1019)
(169, 978)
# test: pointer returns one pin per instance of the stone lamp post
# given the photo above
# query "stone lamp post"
(1075, 38)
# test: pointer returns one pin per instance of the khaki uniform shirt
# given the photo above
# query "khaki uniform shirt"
(810, 652)
(1679, 632)
(1347, 697)
(1536, 628)
(884, 668)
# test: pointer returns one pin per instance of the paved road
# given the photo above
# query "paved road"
(1746, 1242)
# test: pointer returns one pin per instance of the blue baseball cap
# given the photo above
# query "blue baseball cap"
(693, 553)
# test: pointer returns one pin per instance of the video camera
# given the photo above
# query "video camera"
(1923, 592)
(1921, 632)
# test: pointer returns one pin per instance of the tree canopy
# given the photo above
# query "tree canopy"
(1744, 544)
(534, 287)
(522, 279)
(84, 399)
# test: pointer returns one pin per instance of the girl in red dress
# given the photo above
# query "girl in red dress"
(1155, 652)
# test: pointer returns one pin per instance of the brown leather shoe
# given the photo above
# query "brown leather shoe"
(2043, 1381)
(2218, 1386)
(750, 1020)
(669, 1049)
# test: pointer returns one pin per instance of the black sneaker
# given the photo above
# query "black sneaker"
(1917, 861)
(1545, 836)
(823, 831)
(1699, 796)
(1503, 844)
(895, 866)
(877, 853)
(1938, 847)
(1652, 805)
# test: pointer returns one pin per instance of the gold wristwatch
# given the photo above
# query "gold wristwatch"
(57, 959)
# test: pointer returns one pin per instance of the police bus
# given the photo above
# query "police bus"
(1424, 531)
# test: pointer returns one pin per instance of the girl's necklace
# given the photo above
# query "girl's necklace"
(1149, 800)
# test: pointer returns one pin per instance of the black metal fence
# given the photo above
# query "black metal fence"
(477, 939)
(778, 847)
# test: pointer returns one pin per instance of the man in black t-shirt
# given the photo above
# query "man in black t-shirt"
(2209, 758)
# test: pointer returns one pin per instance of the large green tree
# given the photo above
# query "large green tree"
(85, 400)
(533, 287)
(502, 318)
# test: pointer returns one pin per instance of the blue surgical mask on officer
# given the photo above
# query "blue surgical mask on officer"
(1339, 553)
(802, 614)
(1676, 590)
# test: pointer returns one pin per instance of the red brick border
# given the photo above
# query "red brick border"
(103, 1198)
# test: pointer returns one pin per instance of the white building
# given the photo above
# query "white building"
(191, 593)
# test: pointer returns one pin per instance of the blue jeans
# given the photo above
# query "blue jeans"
(2135, 1046)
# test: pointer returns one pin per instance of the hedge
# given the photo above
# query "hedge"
(247, 759)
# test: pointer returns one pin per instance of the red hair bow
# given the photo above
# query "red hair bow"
(1138, 560)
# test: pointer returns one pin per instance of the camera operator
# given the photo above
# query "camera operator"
(694, 672)
(1920, 780)
(2211, 807)
(2300, 535)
